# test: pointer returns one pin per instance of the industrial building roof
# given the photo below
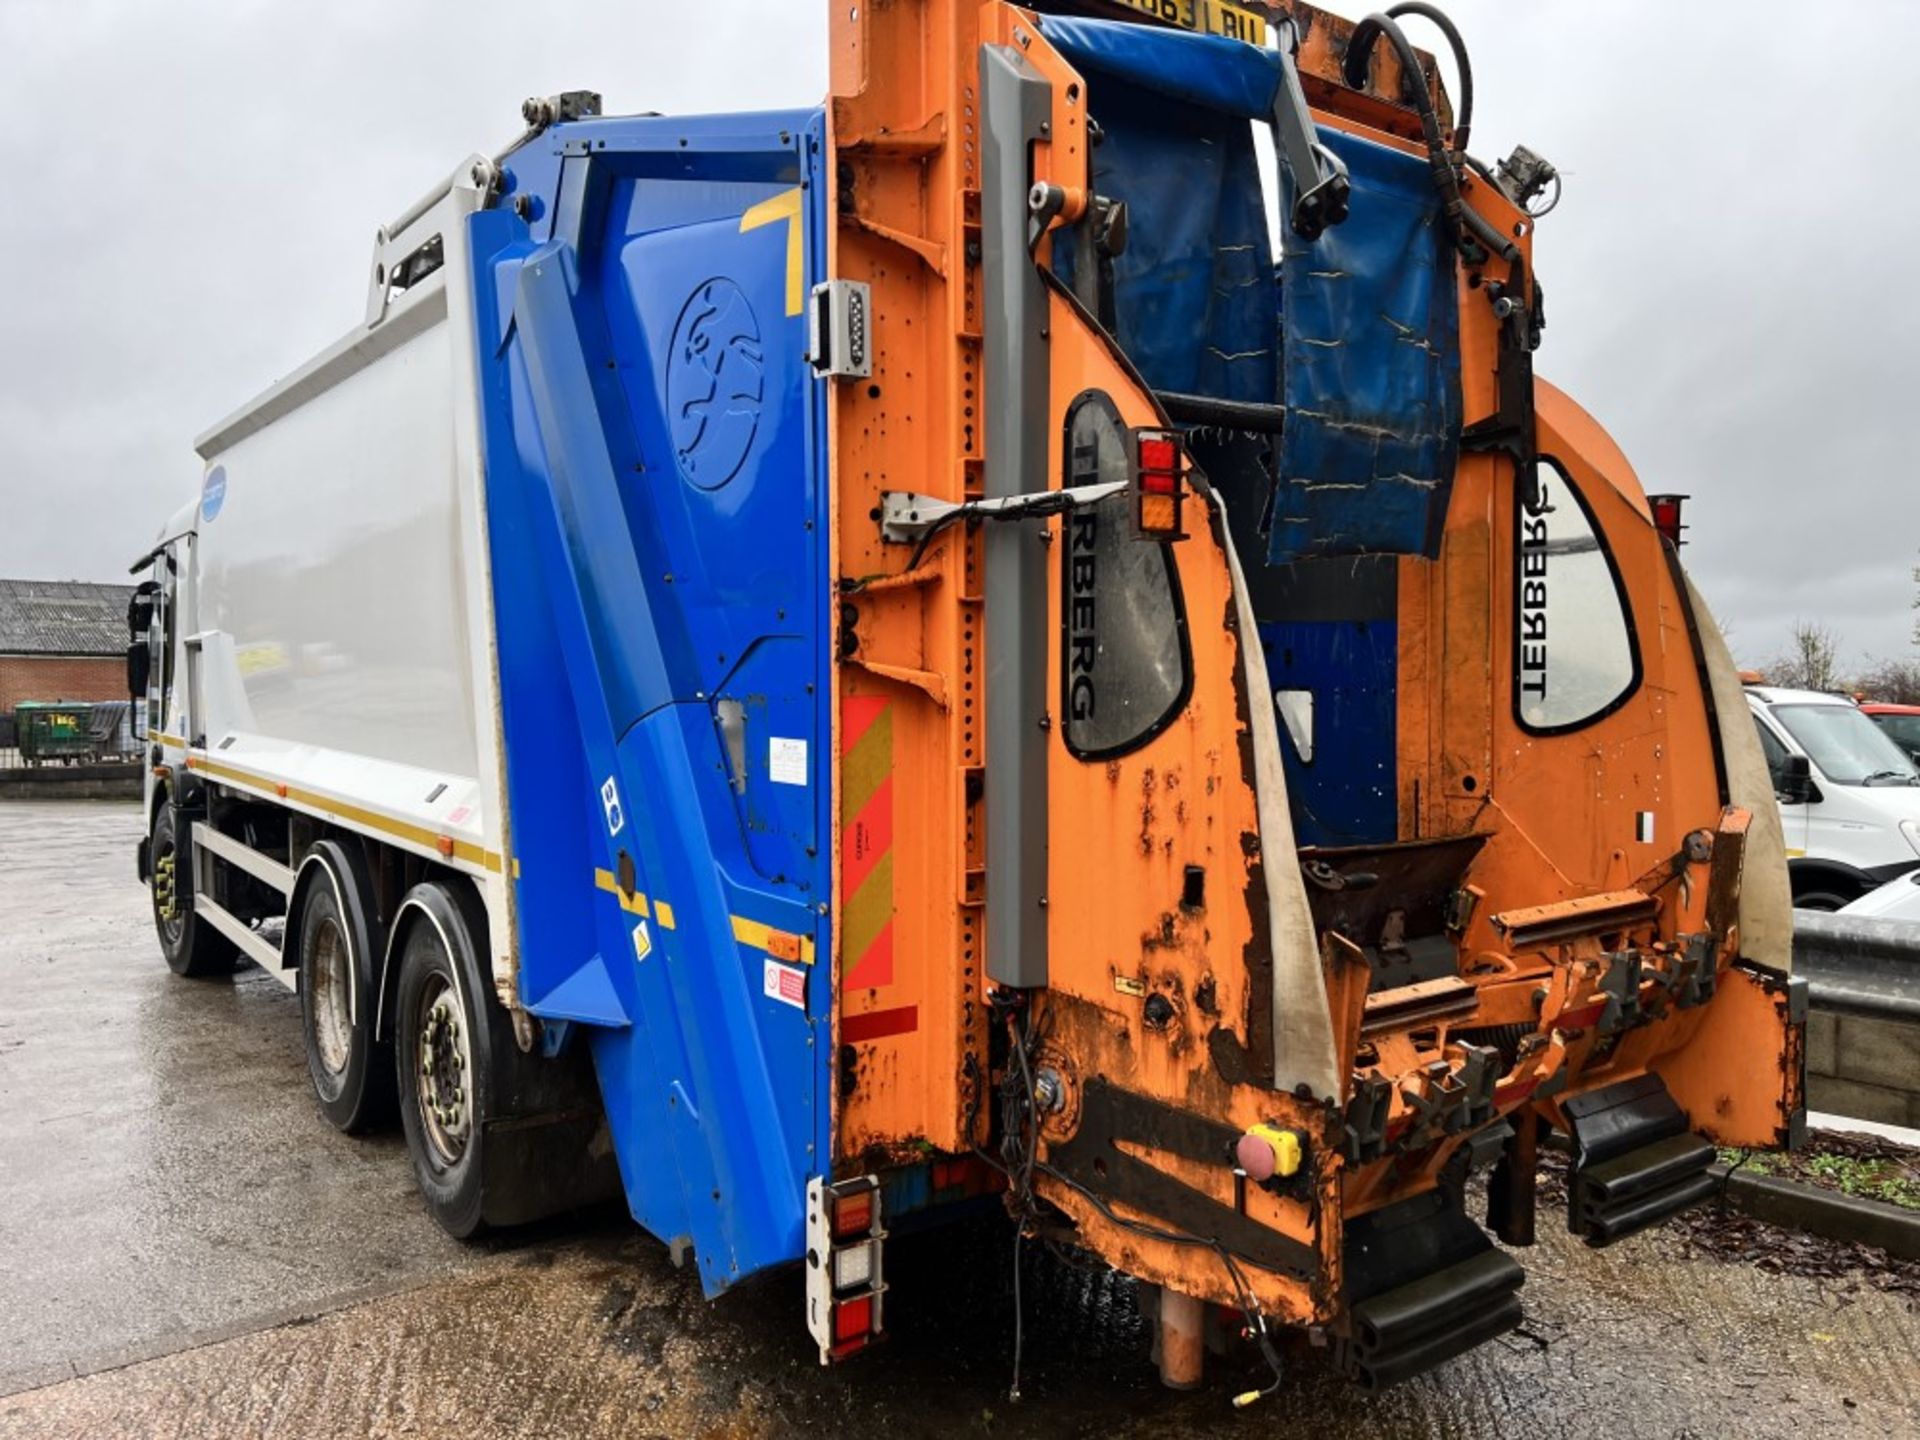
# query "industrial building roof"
(63, 617)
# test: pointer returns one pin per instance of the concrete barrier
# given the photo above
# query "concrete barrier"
(1863, 1029)
(70, 782)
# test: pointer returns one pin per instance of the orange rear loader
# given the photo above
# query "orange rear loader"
(1345, 792)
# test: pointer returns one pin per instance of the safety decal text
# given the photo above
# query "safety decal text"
(786, 984)
(786, 760)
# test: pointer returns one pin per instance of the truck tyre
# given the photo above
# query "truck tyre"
(193, 948)
(1822, 899)
(445, 1047)
(351, 1068)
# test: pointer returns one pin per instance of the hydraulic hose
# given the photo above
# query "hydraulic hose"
(1464, 122)
(1460, 218)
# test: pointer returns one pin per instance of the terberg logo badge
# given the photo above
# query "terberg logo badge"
(1083, 577)
(1533, 597)
(715, 383)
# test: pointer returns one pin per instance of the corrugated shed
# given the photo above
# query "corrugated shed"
(63, 617)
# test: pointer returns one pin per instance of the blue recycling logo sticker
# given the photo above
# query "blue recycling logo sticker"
(213, 492)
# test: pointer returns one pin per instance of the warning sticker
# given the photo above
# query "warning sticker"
(786, 760)
(786, 984)
(610, 802)
(642, 941)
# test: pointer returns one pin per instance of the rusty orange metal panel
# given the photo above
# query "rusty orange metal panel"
(911, 1027)
(1160, 988)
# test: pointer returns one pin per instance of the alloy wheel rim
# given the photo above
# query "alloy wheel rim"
(445, 1064)
(330, 1000)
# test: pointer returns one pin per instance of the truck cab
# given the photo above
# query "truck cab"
(1849, 796)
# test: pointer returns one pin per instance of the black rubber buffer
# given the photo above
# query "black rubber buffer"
(1635, 1161)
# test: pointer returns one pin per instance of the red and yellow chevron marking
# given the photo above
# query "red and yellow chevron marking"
(866, 845)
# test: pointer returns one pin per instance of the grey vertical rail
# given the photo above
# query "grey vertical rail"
(1015, 102)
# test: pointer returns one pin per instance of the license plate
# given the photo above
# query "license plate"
(1208, 17)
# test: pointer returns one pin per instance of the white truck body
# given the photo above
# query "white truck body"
(317, 660)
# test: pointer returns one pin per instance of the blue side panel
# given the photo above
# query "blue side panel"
(655, 454)
(1371, 364)
(1345, 796)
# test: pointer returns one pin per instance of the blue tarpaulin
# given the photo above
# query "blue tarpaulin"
(1226, 76)
(1371, 365)
(1194, 293)
(1368, 354)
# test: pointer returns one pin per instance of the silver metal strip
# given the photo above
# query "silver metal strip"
(262, 868)
(256, 947)
(1015, 105)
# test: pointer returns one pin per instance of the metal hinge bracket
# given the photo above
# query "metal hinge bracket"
(839, 343)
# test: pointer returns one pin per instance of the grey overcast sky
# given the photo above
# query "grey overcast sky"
(1731, 277)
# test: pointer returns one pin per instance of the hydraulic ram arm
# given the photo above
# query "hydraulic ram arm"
(1321, 189)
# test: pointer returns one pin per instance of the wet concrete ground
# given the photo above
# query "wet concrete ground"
(186, 1248)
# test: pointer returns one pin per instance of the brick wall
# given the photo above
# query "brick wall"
(43, 677)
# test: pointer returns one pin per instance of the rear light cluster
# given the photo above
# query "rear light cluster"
(845, 1280)
(1159, 484)
(1666, 517)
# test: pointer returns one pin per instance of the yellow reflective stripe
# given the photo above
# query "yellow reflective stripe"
(866, 765)
(760, 937)
(353, 814)
(747, 932)
(863, 917)
(634, 904)
(784, 206)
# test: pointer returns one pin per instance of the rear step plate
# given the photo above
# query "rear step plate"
(1635, 1160)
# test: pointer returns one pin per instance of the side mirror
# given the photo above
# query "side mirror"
(1795, 785)
(139, 670)
(140, 609)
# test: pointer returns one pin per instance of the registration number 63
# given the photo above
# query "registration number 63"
(1209, 17)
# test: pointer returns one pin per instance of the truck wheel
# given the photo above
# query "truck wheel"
(352, 1070)
(444, 1048)
(193, 948)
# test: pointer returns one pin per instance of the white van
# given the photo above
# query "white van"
(1849, 797)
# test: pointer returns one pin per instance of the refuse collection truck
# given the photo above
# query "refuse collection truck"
(809, 668)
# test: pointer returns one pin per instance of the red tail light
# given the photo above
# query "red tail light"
(1159, 470)
(1666, 517)
(853, 1320)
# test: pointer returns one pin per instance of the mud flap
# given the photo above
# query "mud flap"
(541, 1165)
(1635, 1160)
(1424, 1284)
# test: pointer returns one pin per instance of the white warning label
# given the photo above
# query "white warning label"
(786, 760)
(786, 984)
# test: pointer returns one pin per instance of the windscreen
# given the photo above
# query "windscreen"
(1848, 747)
(1904, 730)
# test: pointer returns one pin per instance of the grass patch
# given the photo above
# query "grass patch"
(1857, 1165)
